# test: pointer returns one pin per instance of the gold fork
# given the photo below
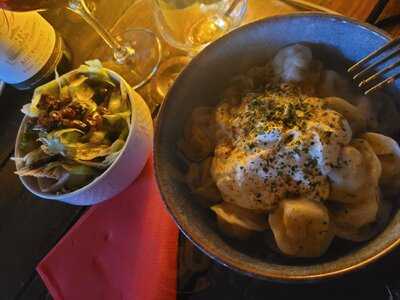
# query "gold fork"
(364, 71)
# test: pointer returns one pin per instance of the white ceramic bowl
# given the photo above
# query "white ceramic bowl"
(125, 168)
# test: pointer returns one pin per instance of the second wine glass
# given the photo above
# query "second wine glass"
(136, 53)
(190, 25)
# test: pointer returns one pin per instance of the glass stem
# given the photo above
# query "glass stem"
(121, 53)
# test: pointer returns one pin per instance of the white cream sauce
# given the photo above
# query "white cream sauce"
(273, 146)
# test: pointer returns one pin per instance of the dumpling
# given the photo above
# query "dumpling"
(381, 112)
(291, 64)
(388, 114)
(333, 84)
(326, 150)
(353, 220)
(348, 176)
(258, 75)
(382, 145)
(239, 222)
(200, 182)
(198, 142)
(354, 188)
(238, 86)
(391, 188)
(352, 114)
(367, 231)
(388, 152)
(358, 168)
(368, 109)
(358, 213)
(223, 115)
(301, 227)
(236, 175)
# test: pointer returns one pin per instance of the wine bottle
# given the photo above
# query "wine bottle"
(31, 51)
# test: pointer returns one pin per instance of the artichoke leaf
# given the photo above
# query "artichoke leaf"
(114, 118)
(32, 157)
(108, 161)
(94, 70)
(60, 141)
(85, 152)
(82, 93)
(51, 171)
(79, 169)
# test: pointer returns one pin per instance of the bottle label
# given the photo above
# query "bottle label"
(27, 41)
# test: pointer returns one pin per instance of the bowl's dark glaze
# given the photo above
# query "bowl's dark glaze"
(338, 41)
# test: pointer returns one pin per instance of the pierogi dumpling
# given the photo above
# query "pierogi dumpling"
(301, 227)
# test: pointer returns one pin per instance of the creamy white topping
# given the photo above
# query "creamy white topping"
(273, 146)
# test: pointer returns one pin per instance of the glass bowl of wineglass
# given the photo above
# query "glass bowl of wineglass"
(190, 25)
(136, 53)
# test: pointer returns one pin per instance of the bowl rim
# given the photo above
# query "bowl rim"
(264, 274)
(131, 94)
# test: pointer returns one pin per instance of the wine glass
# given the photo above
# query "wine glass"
(190, 25)
(136, 53)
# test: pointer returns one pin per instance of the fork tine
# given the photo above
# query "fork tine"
(384, 70)
(363, 71)
(386, 81)
(374, 54)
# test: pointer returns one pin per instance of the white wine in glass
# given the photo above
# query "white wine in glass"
(136, 52)
(192, 24)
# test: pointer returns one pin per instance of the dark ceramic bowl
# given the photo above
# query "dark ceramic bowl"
(338, 41)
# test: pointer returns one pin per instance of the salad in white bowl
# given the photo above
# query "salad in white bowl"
(84, 138)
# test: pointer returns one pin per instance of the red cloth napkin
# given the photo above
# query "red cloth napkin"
(124, 248)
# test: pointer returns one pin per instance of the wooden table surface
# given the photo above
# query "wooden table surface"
(30, 227)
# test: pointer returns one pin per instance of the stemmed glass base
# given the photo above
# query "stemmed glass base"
(140, 64)
(167, 74)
